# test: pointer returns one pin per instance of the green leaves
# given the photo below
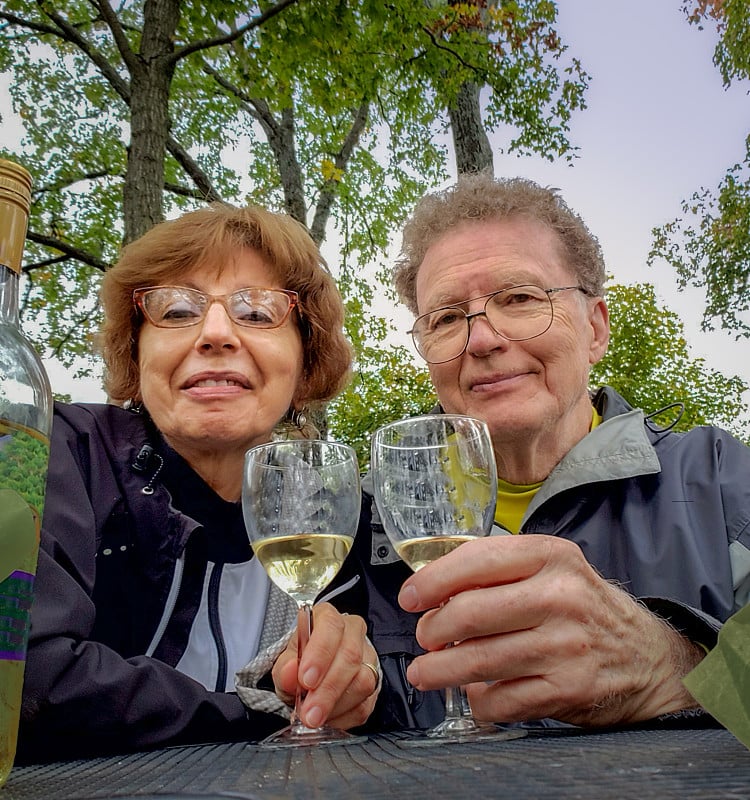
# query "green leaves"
(649, 363)
(709, 246)
(334, 111)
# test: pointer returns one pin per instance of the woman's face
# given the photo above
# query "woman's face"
(219, 386)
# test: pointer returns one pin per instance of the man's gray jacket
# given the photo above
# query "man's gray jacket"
(665, 514)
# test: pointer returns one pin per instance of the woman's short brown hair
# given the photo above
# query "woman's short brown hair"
(209, 238)
(480, 197)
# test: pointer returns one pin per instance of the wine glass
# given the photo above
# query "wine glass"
(300, 501)
(435, 486)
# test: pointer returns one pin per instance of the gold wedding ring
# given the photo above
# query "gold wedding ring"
(375, 671)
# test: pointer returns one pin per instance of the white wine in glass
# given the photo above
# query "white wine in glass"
(300, 500)
(435, 486)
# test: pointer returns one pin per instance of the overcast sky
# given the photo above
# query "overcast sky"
(659, 125)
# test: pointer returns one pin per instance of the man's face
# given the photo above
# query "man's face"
(524, 390)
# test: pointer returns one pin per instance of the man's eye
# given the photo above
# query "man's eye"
(445, 319)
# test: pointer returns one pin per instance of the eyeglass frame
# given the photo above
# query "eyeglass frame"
(139, 304)
(483, 313)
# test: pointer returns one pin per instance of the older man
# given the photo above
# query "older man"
(635, 541)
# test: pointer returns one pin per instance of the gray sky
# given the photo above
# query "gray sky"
(659, 126)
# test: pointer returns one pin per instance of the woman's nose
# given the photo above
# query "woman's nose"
(217, 329)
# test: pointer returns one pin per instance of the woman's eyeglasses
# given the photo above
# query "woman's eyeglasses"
(516, 314)
(180, 307)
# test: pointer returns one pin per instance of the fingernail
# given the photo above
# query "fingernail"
(314, 717)
(412, 674)
(310, 678)
(408, 598)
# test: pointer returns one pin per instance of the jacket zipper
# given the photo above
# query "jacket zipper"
(174, 591)
(214, 622)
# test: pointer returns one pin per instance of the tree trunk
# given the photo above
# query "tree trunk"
(150, 81)
(470, 142)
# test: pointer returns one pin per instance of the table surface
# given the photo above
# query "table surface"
(638, 764)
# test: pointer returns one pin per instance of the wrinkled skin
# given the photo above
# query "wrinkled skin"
(543, 635)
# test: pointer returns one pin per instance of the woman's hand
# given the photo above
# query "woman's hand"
(341, 687)
(542, 634)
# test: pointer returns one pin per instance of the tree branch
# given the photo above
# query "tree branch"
(87, 176)
(184, 191)
(68, 33)
(329, 190)
(257, 109)
(118, 34)
(65, 248)
(194, 47)
(27, 23)
(198, 176)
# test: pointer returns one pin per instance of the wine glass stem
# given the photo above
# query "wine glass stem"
(304, 631)
(456, 702)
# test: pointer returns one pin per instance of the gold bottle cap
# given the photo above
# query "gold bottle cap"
(15, 202)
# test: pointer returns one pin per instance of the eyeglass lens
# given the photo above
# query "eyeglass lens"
(518, 313)
(178, 307)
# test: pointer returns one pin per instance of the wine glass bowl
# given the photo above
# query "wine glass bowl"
(435, 484)
(435, 487)
(300, 502)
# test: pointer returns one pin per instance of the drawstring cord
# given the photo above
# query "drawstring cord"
(141, 464)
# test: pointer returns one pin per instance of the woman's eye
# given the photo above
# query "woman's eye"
(180, 312)
(257, 315)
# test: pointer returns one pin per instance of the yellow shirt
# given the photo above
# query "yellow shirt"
(514, 499)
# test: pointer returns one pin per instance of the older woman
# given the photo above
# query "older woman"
(219, 327)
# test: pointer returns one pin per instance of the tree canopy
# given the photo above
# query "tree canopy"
(709, 245)
(650, 364)
(332, 111)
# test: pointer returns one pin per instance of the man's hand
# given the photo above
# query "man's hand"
(341, 687)
(542, 634)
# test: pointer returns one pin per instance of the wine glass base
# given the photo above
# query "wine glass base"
(457, 731)
(300, 736)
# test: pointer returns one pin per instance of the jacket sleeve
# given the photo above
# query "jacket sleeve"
(80, 696)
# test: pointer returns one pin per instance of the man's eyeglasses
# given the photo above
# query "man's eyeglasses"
(516, 314)
(180, 307)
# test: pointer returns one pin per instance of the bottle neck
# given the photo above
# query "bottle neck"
(9, 281)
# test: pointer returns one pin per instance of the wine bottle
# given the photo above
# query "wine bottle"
(25, 423)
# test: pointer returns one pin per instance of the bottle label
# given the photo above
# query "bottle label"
(16, 594)
(23, 470)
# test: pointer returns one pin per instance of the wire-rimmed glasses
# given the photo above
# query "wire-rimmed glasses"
(300, 501)
(516, 313)
(435, 486)
(181, 306)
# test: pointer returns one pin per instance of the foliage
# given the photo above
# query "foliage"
(386, 385)
(649, 363)
(330, 110)
(709, 246)
(23, 465)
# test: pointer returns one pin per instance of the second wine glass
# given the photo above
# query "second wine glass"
(300, 500)
(435, 486)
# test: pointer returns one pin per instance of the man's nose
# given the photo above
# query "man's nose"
(482, 336)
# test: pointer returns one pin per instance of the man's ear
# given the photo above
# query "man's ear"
(599, 321)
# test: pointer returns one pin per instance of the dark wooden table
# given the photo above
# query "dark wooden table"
(638, 764)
